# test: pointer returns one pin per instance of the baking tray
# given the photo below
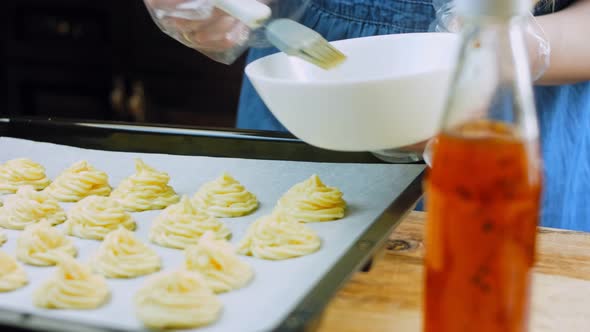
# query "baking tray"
(235, 144)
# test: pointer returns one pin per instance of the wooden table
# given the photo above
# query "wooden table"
(389, 296)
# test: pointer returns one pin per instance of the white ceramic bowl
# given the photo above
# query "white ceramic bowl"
(388, 94)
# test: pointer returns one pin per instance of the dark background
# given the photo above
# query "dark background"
(107, 60)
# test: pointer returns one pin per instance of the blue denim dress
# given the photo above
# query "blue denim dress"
(564, 111)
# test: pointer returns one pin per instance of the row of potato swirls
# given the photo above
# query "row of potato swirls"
(180, 299)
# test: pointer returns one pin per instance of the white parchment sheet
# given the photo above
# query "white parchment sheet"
(277, 286)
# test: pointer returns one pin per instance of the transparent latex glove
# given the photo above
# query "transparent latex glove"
(198, 24)
(538, 44)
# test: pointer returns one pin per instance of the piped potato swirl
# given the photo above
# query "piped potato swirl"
(27, 207)
(177, 300)
(311, 200)
(122, 255)
(95, 216)
(73, 286)
(277, 237)
(22, 172)
(225, 197)
(219, 263)
(147, 189)
(182, 224)
(78, 181)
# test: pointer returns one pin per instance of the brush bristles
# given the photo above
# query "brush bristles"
(296, 39)
(322, 54)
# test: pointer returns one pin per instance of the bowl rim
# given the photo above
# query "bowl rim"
(341, 82)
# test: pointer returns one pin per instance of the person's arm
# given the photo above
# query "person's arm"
(568, 32)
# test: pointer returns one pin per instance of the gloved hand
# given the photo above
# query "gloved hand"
(539, 48)
(201, 26)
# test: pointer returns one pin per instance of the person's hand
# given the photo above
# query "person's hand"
(201, 26)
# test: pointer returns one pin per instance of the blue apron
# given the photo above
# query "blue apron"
(564, 111)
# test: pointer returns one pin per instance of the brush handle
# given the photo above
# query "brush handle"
(250, 12)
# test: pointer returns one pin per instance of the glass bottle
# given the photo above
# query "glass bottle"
(483, 190)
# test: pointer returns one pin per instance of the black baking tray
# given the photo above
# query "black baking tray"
(234, 143)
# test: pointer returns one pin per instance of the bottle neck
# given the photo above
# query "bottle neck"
(493, 80)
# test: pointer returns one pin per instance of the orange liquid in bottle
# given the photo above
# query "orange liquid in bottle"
(482, 198)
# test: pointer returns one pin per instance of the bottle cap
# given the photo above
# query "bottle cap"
(495, 8)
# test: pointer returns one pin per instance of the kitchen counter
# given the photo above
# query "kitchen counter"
(389, 296)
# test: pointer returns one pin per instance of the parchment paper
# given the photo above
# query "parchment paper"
(277, 286)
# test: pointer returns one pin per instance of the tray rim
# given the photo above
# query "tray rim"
(112, 132)
(305, 315)
(160, 128)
